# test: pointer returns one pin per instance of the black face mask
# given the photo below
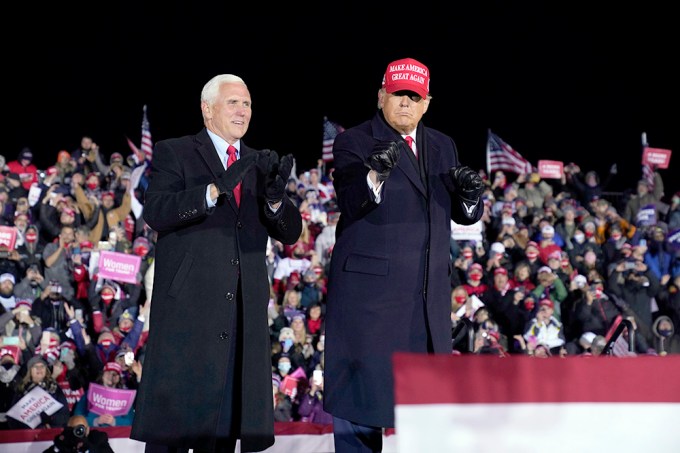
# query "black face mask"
(665, 332)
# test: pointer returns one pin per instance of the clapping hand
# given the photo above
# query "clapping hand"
(228, 180)
(383, 159)
(277, 171)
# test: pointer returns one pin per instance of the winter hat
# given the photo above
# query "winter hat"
(7, 276)
(25, 303)
(35, 360)
(11, 351)
(26, 154)
(129, 313)
(113, 366)
(141, 246)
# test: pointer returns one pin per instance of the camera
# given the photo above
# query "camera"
(72, 439)
(629, 265)
(79, 431)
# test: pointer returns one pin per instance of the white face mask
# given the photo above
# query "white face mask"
(579, 238)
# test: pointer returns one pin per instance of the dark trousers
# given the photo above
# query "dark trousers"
(350, 437)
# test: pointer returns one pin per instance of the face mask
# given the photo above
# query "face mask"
(532, 255)
(590, 234)
(107, 297)
(92, 185)
(616, 236)
(475, 277)
(665, 332)
(287, 343)
(460, 299)
(579, 238)
(105, 343)
(467, 254)
(31, 236)
(598, 293)
(284, 367)
(125, 328)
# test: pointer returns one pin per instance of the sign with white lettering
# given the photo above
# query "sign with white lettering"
(106, 400)
(660, 158)
(28, 409)
(118, 266)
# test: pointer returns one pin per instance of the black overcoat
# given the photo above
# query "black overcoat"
(389, 283)
(199, 255)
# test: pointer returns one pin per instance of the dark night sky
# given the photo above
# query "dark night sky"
(573, 83)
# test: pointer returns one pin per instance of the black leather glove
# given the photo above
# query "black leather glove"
(278, 172)
(383, 159)
(229, 179)
(467, 182)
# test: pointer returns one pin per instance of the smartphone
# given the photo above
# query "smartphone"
(75, 250)
(317, 377)
(642, 242)
(629, 265)
(129, 358)
(79, 314)
(10, 341)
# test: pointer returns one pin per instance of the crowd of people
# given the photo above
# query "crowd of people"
(546, 272)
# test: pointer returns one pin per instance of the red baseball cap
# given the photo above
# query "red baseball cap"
(407, 74)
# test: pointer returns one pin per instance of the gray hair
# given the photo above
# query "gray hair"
(211, 90)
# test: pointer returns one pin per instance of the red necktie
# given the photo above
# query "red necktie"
(409, 140)
(231, 152)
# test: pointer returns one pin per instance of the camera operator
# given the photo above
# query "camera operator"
(78, 437)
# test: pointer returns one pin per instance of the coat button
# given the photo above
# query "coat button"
(229, 296)
(234, 262)
(224, 335)
(239, 225)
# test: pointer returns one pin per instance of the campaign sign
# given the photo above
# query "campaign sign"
(8, 236)
(550, 169)
(28, 409)
(106, 400)
(472, 232)
(660, 158)
(118, 266)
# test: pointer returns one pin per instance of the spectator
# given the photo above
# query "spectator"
(10, 376)
(7, 298)
(22, 326)
(544, 328)
(23, 167)
(644, 207)
(110, 377)
(39, 375)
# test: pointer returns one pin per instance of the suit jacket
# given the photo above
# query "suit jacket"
(200, 253)
(389, 283)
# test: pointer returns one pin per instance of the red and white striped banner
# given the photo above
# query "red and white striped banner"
(524, 404)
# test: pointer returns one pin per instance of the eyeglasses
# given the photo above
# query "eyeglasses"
(410, 94)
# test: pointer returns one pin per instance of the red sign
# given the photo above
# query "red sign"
(8, 236)
(550, 169)
(660, 158)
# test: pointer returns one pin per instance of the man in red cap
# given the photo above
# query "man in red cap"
(398, 184)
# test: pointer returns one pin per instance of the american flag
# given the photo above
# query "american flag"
(330, 131)
(647, 170)
(501, 156)
(147, 144)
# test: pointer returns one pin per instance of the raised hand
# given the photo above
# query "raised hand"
(467, 182)
(383, 159)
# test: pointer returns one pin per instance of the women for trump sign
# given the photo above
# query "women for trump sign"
(106, 400)
(118, 266)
